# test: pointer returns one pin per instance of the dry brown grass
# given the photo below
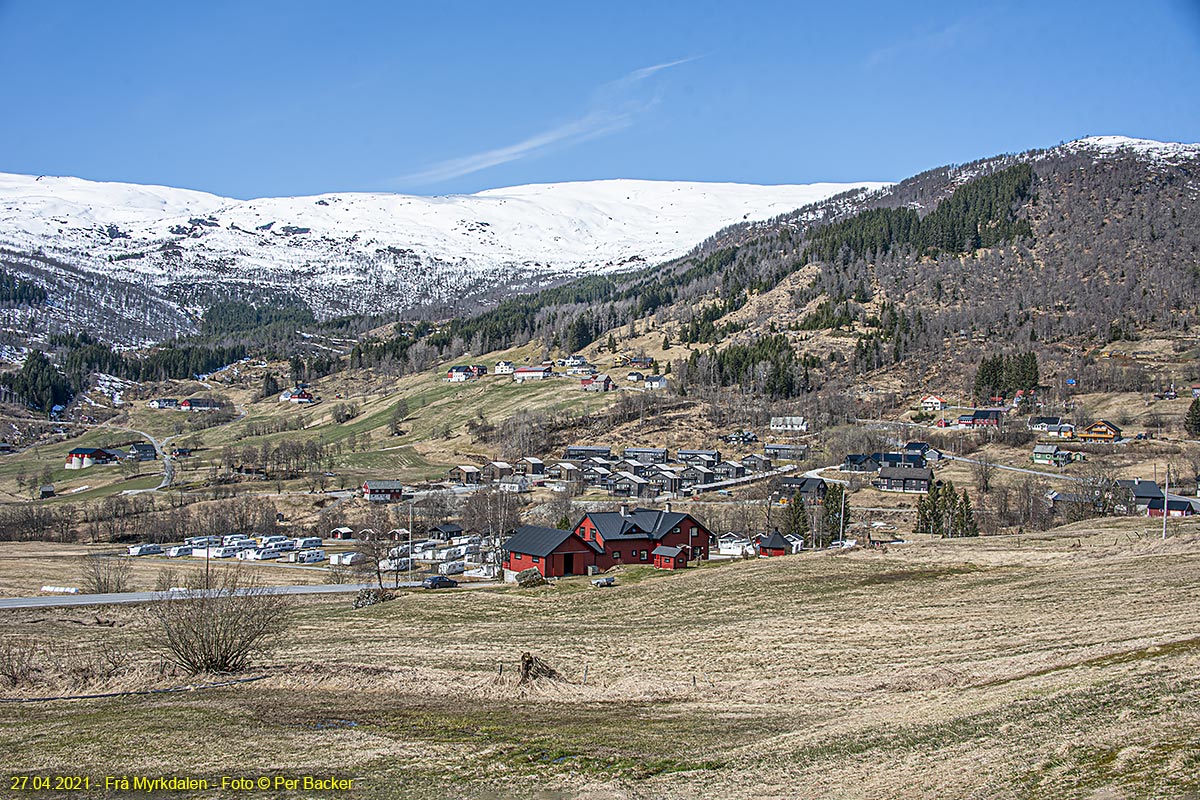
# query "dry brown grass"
(1054, 665)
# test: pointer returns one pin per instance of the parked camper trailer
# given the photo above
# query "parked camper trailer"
(180, 550)
(309, 556)
(452, 568)
(144, 549)
(308, 542)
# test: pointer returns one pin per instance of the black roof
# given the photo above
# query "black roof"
(448, 527)
(639, 524)
(776, 541)
(536, 541)
(804, 485)
(1142, 489)
(908, 473)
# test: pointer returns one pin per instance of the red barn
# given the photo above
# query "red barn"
(626, 536)
(774, 545)
(669, 557)
(551, 551)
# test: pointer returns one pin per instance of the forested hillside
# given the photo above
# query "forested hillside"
(1082, 244)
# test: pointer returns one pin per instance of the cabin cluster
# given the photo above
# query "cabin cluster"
(906, 470)
(190, 404)
(637, 472)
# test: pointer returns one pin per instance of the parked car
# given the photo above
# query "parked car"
(438, 582)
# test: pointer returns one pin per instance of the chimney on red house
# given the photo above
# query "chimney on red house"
(668, 506)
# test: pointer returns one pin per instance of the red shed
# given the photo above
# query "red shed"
(669, 557)
(552, 551)
(774, 545)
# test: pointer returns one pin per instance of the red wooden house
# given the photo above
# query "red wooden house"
(625, 536)
(551, 551)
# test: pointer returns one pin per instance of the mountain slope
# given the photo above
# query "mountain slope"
(355, 252)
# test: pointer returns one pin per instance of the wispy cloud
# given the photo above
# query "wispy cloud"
(614, 106)
(924, 43)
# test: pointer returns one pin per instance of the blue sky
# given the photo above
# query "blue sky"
(277, 98)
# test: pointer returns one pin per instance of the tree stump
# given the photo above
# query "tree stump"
(533, 668)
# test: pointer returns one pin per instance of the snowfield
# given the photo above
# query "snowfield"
(361, 252)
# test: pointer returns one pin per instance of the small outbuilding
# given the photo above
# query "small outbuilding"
(669, 557)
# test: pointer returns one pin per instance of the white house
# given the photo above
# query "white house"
(522, 374)
(505, 367)
(656, 382)
(793, 424)
(932, 403)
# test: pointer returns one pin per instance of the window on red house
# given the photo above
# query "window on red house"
(537, 560)
(643, 555)
(616, 555)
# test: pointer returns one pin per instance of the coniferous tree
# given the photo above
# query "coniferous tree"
(1191, 422)
(795, 521)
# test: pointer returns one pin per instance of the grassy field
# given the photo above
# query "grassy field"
(1053, 666)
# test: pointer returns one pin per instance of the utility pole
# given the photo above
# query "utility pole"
(842, 519)
(410, 552)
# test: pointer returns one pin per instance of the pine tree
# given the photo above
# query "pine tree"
(1191, 422)
(795, 520)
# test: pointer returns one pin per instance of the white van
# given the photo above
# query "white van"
(308, 542)
(310, 556)
(180, 550)
(144, 549)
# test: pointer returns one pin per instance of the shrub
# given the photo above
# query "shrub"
(219, 629)
(106, 574)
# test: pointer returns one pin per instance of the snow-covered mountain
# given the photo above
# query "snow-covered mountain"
(358, 252)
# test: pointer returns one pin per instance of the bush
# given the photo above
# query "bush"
(371, 597)
(106, 574)
(219, 629)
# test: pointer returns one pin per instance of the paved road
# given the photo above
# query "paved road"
(168, 463)
(58, 601)
(1022, 470)
(816, 473)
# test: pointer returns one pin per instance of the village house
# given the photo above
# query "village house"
(163, 402)
(142, 451)
(581, 452)
(756, 463)
(1044, 424)
(811, 490)
(383, 491)
(1099, 431)
(650, 455)
(84, 457)
(446, 531)
(774, 545)
(531, 466)
(632, 465)
(1064, 431)
(931, 403)
(669, 557)
(627, 484)
(1195, 391)
(635, 377)
(789, 425)
(46, 491)
(860, 462)
(695, 475)
(553, 552)
(1051, 455)
(505, 368)
(496, 471)
(1176, 507)
(466, 475)
(564, 471)
(199, 404)
(514, 484)
(630, 536)
(656, 382)
(704, 458)
(460, 374)
(664, 480)
(986, 418)
(785, 452)
(1140, 492)
(729, 470)
(597, 383)
(540, 372)
(575, 360)
(582, 371)
(181, 452)
(297, 395)
(904, 479)
(927, 452)
(595, 475)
